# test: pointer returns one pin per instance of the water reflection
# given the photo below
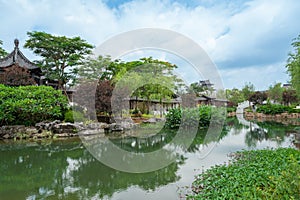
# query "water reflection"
(66, 170)
(268, 130)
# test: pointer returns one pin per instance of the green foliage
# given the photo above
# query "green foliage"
(104, 68)
(293, 65)
(231, 109)
(201, 87)
(71, 115)
(27, 105)
(248, 90)
(60, 54)
(235, 96)
(273, 109)
(146, 78)
(257, 174)
(3, 53)
(173, 118)
(275, 92)
(187, 117)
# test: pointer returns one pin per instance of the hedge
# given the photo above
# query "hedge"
(273, 109)
(27, 105)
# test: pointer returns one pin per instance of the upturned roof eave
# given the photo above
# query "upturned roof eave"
(17, 57)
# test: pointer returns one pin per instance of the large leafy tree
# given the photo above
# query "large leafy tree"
(3, 53)
(60, 55)
(94, 69)
(131, 76)
(196, 88)
(248, 90)
(235, 96)
(275, 92)
(293, 65)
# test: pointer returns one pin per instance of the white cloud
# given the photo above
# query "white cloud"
(240, 36)
(262, 77)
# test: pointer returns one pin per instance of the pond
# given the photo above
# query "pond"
(65, 169)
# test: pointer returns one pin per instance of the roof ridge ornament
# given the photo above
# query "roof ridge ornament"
(16, 41)
(17, 57)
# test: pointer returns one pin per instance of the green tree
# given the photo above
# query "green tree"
(161, 83)
(60, 55)
(131, 76)
(235, 96)
(94, 68)
(248, 90)
(3, 53)
(196, 88)
(275, 92)
(293, 65)
(221, 94)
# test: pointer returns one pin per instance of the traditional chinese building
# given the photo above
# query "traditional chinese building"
(16, 69)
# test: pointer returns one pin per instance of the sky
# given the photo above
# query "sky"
(247, 40)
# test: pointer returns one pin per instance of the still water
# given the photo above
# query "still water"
(65, 169)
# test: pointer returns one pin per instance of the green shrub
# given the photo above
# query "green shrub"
(273, 109)
(256, 174)
(173, 118)
(231, 109)
(27, 105)
(71, 115)
(200, 117)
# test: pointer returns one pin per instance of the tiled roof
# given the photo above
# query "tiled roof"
(17, 57)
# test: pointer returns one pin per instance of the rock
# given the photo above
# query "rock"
(65, 128)
(151, 120)
(11, 131)
(127, 125)
(115, 127)
(31, 131)
(47, 125)
(95, 126)
(6, 136)
(89, 132)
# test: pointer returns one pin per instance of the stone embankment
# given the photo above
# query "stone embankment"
(58, 129)
(285, 118)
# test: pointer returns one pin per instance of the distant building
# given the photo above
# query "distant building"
(206, 100)
(286, 85)
(206, 84)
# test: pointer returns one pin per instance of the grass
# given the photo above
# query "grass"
(256, 174)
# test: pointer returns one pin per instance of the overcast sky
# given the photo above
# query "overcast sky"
(248, 40)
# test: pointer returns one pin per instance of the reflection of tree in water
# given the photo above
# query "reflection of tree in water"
(233, 125)
(267, 131)
(68, 171)
(156, 142)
